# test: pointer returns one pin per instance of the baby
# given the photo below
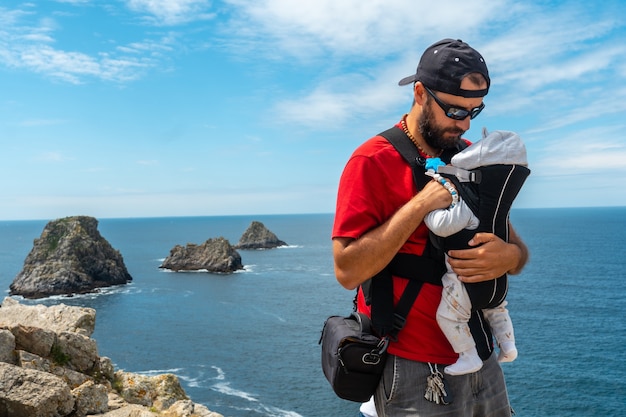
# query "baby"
(487, 176)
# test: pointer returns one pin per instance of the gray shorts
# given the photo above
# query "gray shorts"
(480, 394)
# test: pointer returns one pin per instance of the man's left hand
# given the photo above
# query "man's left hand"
(490, 257)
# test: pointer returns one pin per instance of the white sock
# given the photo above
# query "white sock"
(508, 352)
(468, 362)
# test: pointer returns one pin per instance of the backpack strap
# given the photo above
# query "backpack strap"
(387, 319)
(411, 155)
(409, 152)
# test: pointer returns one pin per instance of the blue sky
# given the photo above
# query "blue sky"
(141, 108)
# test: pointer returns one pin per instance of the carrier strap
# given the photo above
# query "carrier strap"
(387, 319)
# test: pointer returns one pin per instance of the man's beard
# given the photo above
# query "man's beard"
(435, 136)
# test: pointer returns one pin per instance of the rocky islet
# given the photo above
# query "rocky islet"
(72, 257)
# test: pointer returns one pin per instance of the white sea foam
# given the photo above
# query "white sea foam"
(193, 382)
(153, 372)
(196, 378)
(276, 316)
(221, 375)
(190, 271)
(98, 292)
(225, 388)
(277, 412)
(246, 269)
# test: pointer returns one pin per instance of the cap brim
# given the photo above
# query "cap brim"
(407, 80)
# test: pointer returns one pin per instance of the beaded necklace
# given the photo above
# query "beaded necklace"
(415, 142)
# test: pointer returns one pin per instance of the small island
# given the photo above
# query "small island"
(215, 255)
(70, 257)
(257, 236)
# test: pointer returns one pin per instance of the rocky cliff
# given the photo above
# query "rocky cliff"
(49, 367)
(70, 257)
(257, 236)
(215, 255)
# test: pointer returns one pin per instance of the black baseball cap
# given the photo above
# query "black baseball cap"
(443, 66)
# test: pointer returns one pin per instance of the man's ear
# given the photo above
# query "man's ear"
(419, 94)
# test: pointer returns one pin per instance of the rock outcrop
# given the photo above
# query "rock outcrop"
(215, 255)
(49, 367)
(257, 236)
(70, 257)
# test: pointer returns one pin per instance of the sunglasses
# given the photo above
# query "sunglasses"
(453, 112)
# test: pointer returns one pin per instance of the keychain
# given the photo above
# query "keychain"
(437, 389)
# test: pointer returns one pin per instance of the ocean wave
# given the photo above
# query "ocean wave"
(225, 388)
(246, 269)
(165, 290)
(128, 288)
(277, 412)
(197, 380)
(266, 411)
(154, 372)
(193, 382)
(214, 378)
(221, 375)
(260, 408)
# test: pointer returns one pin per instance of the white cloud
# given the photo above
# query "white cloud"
(41, 122)
(352, 28)
(75, 67)
(172, 12)
(585, 106)
(31, 46)
(151, 162)
(596, 151)
(53, 156)
(342, 100)
(546, 62)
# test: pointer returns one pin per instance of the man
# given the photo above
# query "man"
(380, 213)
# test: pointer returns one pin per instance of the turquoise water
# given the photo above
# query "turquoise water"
(246, 344)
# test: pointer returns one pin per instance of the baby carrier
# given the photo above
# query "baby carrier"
(387, 319)
(488, 190)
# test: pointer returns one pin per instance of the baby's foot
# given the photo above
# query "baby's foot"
(508, 352)
(467, 363)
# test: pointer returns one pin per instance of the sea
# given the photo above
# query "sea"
(246, 344)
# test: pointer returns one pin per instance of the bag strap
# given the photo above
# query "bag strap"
(365, 326)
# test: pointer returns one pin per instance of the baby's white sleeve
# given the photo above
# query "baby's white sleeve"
(446, 222)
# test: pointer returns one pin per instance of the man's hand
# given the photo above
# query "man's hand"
(489, 258)
(357, 260)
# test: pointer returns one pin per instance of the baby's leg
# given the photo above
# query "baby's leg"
(502, 328)
(452, 316)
